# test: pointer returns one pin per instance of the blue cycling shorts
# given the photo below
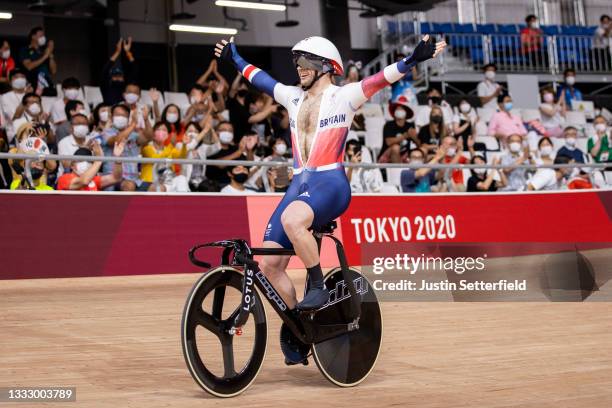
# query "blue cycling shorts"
(327, 192)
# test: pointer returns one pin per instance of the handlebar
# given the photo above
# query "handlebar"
(195, 260)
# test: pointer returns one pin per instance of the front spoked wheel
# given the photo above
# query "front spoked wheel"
(347, 360)
(222, 363)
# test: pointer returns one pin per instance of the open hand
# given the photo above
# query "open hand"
(426, 49)
(223, 50)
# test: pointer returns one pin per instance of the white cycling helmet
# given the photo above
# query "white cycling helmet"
(322, 48)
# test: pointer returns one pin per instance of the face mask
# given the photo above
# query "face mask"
(160, 136)
(36, 173)
(198, 117)
(570, 141)
(600, 127)
(570, 80)
(534, 25)
(546, 151)
(42, 41)
(490, 75)
(19, 83)
(34, 109)
(515, 147)
(194, 100)
(240, 177)
(508, 106)
(226, 137)
(103, 115)
(80, 131)
(242, 93)
(465, 107)
(281, 148)
(71, 94)
(172, 117)
(548, 97)
(451, 151)
(6, 54)
(82, 112)
(82, 167)
(120, 122)
(131, 98)
(435, 100)
(416, 161)
(480, 172)
(192, 135)
(437, 119)
(399, 114)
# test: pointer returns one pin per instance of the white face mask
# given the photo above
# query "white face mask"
(490, 75)
(570, 80)
(600, 127)
(19, 83)
(399, 114)
(193, 100)
(34, 109)
(546, 151)
(515, 147)
(6, 54)
(570, 141)
(103, 115)
(42, 41)
(120, 122)
(226, 137)
(480, 172)
(71, 94)
(548, 97)
(192, 135)
(451, 151)
(131, 98)
(281, 148)
(465, 107)
(82, 167)
(172, 117)
(80, 131)
(82, 112)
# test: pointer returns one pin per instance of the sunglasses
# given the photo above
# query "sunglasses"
(300, 60)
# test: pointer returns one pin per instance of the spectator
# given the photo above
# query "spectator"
(261, 110)
(352, 73)
(397, 133)
(218, 85)
(30, 111)
(420, 180)
(138, 109)
(101, 119)
(280, 126)
(362, 180)
(79, 128)
(546, 153)
(483, 179)
(238, 107)
(72, 108)
(429, 136)
(201, 143)
(532, 41)
(517, 154)
(237, 175)
(84, 174)
(488, 90)
(125, 128)
(453, 154)
(252, 149)
(570, 150)
(33, 173)
(404, 86)
(171, 116)
(71, 88)
(200, 106)
(567, 93)
(118, 71)
(163, 178)
(434, 98)
(600, 144)
(11, 100)
(228, 151)
(602, 41)
(7, 65)
(552, 113)
(464, 122)
(549, 179)
(39, 62)
(503, 123)
(579, 179)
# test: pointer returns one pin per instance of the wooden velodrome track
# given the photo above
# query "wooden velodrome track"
(117, 339)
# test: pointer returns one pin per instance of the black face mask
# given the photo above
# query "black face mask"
(437, 119)
(36, 173)
(435, 100)
(240, 177)
(242, 93)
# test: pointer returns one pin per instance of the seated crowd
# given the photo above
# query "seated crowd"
(234, 122)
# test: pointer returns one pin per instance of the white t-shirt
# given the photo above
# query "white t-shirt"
(9, 102)
(554, 121)
(544, 179)
(58, 108)
(66, 146)
(488, 88)
(422, 118)
(231, 190)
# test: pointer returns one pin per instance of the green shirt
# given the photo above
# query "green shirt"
(605, 152)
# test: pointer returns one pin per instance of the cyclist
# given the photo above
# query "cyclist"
(320, 115)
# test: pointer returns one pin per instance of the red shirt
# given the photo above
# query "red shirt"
(457, 173)
(6, 66)
(63, 183)
(531, 39)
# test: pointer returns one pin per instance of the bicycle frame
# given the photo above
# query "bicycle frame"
(300, 323)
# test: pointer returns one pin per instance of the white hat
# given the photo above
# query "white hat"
(323, 48)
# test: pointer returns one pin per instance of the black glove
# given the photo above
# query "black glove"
(227, 54)
(424, 50)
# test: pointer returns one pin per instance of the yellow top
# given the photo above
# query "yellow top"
(41, 186)
(168, 152)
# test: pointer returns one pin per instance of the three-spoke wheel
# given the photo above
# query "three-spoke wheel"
(223, 363)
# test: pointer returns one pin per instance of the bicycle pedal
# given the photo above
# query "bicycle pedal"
(291, 363)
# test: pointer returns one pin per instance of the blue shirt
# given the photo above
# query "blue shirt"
(411, 184)
(575, 154)
(571, 94)
(130, 170)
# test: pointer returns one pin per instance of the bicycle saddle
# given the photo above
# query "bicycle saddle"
(326, 229)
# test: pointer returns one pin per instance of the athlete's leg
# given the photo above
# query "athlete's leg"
(296, 219)
(274, 267)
